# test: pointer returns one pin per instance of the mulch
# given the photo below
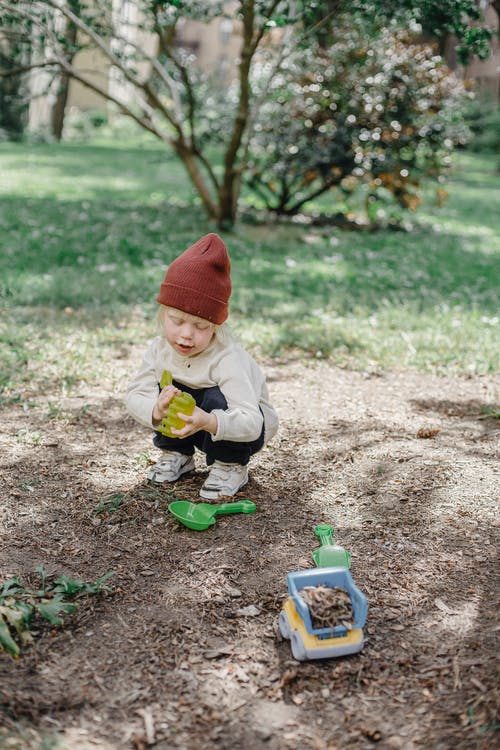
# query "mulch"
(184, 650)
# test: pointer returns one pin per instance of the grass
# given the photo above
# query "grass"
(88, 230)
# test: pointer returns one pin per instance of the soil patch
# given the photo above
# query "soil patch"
(185, 651)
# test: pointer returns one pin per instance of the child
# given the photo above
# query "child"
(233, 417)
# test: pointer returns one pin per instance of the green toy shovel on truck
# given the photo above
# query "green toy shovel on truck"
(329, 555)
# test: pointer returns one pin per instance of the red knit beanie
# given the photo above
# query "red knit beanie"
(198, 281)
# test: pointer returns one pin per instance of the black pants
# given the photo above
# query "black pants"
(227, 451)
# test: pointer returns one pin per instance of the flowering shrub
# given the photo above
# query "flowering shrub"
(382, 112)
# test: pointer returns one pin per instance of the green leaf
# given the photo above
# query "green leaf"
(67, 586)
(18, 616)
(109, 504)
(14, 616)
(26, 611)
(6, 640)
(489, 411)
(51, 610)
(98, 584)
(64, 585)
(43, 576)
(11, 586)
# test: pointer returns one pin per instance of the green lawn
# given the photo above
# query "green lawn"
(88, 230)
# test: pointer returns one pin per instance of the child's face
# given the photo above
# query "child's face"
(185, 333)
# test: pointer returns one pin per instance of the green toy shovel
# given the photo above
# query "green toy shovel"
(329, 555)
(200, 516)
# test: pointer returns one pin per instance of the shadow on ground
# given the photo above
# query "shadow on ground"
(184, 651)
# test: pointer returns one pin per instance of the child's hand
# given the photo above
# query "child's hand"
(163, 401)
(199, 420)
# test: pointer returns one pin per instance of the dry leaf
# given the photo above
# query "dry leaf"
(328, 607)
(428, 432)
(288, 676)
(372, 734)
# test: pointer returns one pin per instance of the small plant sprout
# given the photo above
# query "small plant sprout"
(29, 437)
(143, 459)
(491, 412)
(109, 504)
(54, 411)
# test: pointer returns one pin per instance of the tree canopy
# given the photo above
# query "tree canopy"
(164, 92)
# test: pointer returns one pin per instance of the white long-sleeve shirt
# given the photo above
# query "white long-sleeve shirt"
(228, 366)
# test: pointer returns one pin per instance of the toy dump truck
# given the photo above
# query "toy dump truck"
(299, 623)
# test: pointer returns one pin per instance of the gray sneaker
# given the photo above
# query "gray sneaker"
(224, 480)
(170, 466)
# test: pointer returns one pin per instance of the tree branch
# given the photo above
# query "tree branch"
(168, 51)
(27, 68)
(241, 117)
(255, 109)
(146, 122)
(327, 185)
(115, 60)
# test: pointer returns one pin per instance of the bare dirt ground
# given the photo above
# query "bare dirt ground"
(184, 651)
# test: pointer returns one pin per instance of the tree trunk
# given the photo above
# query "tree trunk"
(59, 109)
(13, 86)
(189, 160)
(229, 190)
(13, 107)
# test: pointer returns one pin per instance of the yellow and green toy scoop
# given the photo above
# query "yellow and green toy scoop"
(200, 516)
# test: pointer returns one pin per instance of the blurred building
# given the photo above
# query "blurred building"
(215, 48)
